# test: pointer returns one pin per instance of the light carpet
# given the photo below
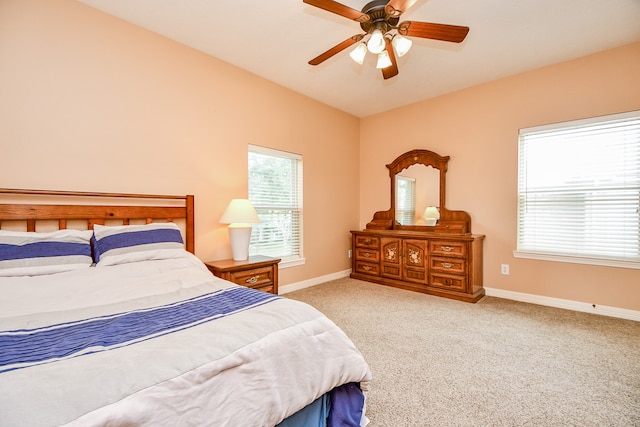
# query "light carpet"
(440, 362)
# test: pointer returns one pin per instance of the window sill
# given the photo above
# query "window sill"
(292, 262)
(577, 259)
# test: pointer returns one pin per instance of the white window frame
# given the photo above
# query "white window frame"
(592, 188)
(287, 260)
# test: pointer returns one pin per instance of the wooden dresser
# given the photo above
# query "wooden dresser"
(426, 247)
(448, 265)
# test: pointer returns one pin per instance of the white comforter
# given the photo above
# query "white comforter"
(251, 367)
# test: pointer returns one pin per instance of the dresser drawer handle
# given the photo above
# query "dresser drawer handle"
(447, 248)
(366, 254)
(366, 267)
(252, 280)
(447, 264)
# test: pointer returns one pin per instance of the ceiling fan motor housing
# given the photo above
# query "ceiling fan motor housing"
(378, 17)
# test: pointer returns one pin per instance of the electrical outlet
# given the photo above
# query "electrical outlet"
(349, 253)
(504, 269)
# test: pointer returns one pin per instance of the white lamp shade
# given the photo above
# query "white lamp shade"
(376, 43)
(240, 211)
(432, 212)
(240, 214)
(401, 44)
(359, 53)
(383, 60)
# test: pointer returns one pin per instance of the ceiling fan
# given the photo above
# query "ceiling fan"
(379, 20)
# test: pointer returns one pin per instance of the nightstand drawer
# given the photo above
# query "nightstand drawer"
(258, 272)
(254, 278)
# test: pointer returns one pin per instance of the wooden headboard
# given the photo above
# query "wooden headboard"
(176, 207)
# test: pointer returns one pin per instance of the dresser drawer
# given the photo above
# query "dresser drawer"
(370, 255)
(456, 283)
(447, 265)
(367, 268)
(370, 242)
(447, 248)
(254, 278)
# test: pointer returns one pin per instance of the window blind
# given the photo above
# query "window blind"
(275, 190)
(405, 200)
(579, 189)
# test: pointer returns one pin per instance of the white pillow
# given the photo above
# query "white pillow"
(25, 253)
(133, 243)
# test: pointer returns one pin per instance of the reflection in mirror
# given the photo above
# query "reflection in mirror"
(405, 200)
(417, 187)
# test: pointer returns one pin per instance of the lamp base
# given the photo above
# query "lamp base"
(239, 237)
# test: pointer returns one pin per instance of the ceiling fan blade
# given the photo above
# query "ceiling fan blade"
(391, 70)
(428, 30)
(339, 9)
(398, 7)
(337, 48)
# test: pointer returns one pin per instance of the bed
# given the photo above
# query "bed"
(107, 318)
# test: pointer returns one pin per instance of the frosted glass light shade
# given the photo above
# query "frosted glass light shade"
(383, 60)
(376, 43)
(359, 53)
(240, 211)
(401, 44)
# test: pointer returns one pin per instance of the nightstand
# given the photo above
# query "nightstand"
(258, 272)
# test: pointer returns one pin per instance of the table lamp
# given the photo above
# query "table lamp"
(431, 215)
(240, 214)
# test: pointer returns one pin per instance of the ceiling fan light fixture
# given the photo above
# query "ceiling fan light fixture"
(401, 44)
(383, 33)
(359, 53)
(376, 43)
(383, 60)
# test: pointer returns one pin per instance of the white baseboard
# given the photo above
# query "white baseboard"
(312, 282)
(566, 304)
(603, 310)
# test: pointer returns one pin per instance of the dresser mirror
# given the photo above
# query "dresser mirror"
(424, 172)
(416, 188)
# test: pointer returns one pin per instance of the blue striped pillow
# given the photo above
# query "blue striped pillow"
(24, 253)
(132, 243)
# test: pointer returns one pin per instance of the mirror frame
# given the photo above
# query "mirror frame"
(450, 221)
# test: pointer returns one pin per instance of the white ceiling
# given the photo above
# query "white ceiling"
(275, 40)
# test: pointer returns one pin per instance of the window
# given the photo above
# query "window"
(275, 189)
(405, 200)
(579, 191)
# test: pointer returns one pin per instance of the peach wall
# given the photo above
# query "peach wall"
(478, 127)
(91, 103)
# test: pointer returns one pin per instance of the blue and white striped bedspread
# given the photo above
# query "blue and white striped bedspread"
(27, 347)
(150, 343)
